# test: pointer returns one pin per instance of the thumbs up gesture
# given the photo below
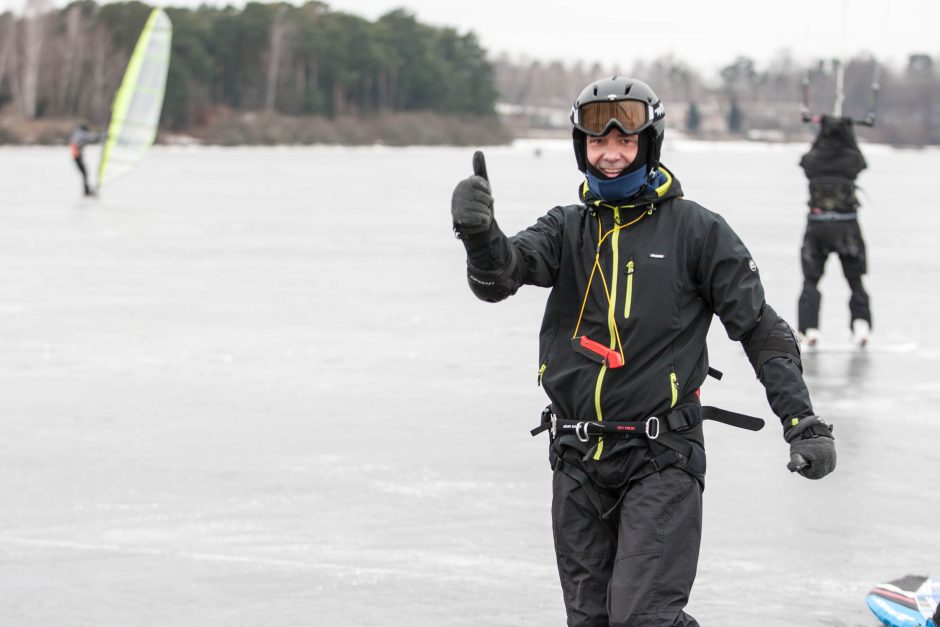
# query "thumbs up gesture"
(472, 203)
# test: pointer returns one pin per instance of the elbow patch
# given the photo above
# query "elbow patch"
(772, 338)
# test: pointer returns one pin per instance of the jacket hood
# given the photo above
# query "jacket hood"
(667, 187)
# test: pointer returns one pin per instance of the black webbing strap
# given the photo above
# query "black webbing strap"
(597, 500)
(546, 421)
(681, 419)
(545, 426)
(663, 460)
(669, 457)
(741, 421)
(687, 417)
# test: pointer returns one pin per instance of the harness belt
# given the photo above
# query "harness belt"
(666, 441)
(832, 193)
(832, 216)
(679, 420)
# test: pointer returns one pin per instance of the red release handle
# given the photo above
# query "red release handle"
(612, 358)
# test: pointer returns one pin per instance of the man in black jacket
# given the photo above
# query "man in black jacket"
(831, 166)
(636, 273)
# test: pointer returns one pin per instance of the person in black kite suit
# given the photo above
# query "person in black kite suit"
(832, 165)
(637, 273)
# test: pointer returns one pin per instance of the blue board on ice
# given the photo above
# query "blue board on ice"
(907, 602)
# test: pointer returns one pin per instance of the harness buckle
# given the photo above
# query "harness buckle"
(581, 430)
(652, 427)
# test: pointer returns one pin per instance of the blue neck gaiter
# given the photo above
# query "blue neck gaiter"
(621, 188)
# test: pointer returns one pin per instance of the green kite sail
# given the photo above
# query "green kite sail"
(135, 112)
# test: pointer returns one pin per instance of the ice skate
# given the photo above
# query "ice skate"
(809, 339)
(861, 332)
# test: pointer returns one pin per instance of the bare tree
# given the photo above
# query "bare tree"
(98, 100)
(278, 29)
(71, 59)
(8, 49)
(34, 38)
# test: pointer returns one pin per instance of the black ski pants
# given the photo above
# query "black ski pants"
(821, 239)
(635, 567)
(80, 164)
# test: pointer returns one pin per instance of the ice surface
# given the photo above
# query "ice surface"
(250, 387)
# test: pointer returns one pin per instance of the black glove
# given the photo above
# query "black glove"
(812, 448)
(472, 204)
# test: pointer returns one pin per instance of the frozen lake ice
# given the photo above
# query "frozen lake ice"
(250, 386)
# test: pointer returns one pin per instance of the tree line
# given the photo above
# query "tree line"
(308, 61)
(272, 57)
(744, 99)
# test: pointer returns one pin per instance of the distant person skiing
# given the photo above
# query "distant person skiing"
(832, 165)
(637, 273)
(81, 137)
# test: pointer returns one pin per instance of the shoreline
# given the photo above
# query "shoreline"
(390, 130)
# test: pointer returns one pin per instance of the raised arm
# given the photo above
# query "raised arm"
(498, 265)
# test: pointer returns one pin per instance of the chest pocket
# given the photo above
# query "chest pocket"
(651, 293)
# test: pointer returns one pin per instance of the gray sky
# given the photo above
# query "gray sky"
(705, 33)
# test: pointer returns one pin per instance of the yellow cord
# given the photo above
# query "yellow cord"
(596, 267)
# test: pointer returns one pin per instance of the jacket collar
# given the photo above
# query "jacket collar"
(663, 186)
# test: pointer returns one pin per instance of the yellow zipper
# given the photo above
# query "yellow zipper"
(542, 373)
(630, 269)
(597, 408)
(674, 387)
(611, 324)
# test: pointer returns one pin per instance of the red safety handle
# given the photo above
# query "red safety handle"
(597, 351)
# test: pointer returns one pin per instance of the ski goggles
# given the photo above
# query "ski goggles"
(597, 118)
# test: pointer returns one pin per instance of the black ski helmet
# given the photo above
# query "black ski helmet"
(615, 89)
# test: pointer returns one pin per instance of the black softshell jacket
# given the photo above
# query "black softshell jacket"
(667, 274)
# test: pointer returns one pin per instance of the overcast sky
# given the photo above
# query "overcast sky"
(705, 33)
